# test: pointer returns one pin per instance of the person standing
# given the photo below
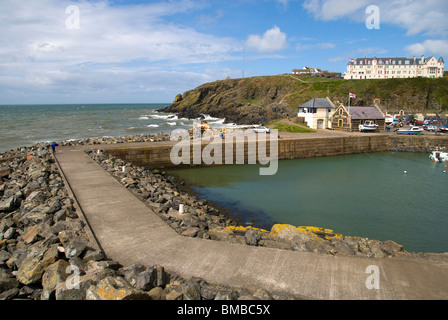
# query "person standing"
(53, 147)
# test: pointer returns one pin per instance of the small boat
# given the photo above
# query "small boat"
(411, 130)
(368, 126)
(439, 156)
(444, 129)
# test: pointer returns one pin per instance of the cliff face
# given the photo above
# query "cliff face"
(242, 101)
(262, 99)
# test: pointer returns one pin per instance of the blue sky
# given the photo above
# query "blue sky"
(57, 51)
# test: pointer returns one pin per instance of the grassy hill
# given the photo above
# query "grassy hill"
(262, 99)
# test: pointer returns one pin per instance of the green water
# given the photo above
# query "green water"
(367, 195)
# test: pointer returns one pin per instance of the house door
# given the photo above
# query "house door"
(320, 124)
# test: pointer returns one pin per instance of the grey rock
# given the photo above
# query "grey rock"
(252, 237)
(9, 234)
(9, 294)
(8, 205)
(131, 273)
(75, 248)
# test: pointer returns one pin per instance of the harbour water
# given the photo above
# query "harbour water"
(384, 196)
(25, 125)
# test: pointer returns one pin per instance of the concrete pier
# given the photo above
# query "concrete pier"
(129, 232)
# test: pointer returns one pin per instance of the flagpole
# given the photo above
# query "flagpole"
(349, 97)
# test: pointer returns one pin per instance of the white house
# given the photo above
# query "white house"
(388, 68)
(316, 113)
(306, 70)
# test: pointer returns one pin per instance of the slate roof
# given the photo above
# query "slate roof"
(365, 113)
(392, 61)
(318, 103)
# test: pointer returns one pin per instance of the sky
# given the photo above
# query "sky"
(114, 51)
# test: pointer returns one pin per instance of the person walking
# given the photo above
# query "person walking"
(53, 147)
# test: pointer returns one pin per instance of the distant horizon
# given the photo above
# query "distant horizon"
(83, 103)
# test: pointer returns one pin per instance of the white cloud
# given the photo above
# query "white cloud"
(272, 40)
(334, 9)
(435, 47)
(429, 17)
(39, 53)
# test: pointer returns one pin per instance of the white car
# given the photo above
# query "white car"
(262, 129)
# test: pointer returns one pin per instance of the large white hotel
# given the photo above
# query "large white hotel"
(387, 68)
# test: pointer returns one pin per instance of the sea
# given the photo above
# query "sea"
(383, 196)
(25, 125)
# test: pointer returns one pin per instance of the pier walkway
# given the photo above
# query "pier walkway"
(129, 232)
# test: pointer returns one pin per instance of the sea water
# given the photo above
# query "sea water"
(384, 196)
(25, 125)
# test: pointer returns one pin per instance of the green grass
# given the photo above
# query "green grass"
(293, 128)
(252, 101)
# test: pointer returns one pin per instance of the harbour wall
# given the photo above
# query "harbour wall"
(159, 156)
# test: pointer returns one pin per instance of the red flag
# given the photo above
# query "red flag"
(352, 95)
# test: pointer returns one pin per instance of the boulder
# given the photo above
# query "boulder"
(132, 272)
(252, 237)
(191, 290)
(114, 288)
(7, 280)
(157, 293)
(75, 247)
(36, 198)
(8, 205)
(32, 268)
(9, 294)
(54, 274)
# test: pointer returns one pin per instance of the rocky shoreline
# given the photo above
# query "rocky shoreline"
(46, 254)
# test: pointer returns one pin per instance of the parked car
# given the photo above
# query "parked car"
(262, 129)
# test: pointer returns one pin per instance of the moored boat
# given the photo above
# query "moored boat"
(411, 130)
(368, 126)
(439, 156)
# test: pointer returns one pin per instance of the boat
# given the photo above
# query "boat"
(444, 129)
(411, 130)
(439, 156)
(368, 126)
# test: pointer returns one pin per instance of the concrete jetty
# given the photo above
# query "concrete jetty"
(130, 232)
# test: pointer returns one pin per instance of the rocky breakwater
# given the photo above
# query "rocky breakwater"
(162, 136)
(193, 217)
(45, 251)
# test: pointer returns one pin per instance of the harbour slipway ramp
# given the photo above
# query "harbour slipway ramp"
(129, 232)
